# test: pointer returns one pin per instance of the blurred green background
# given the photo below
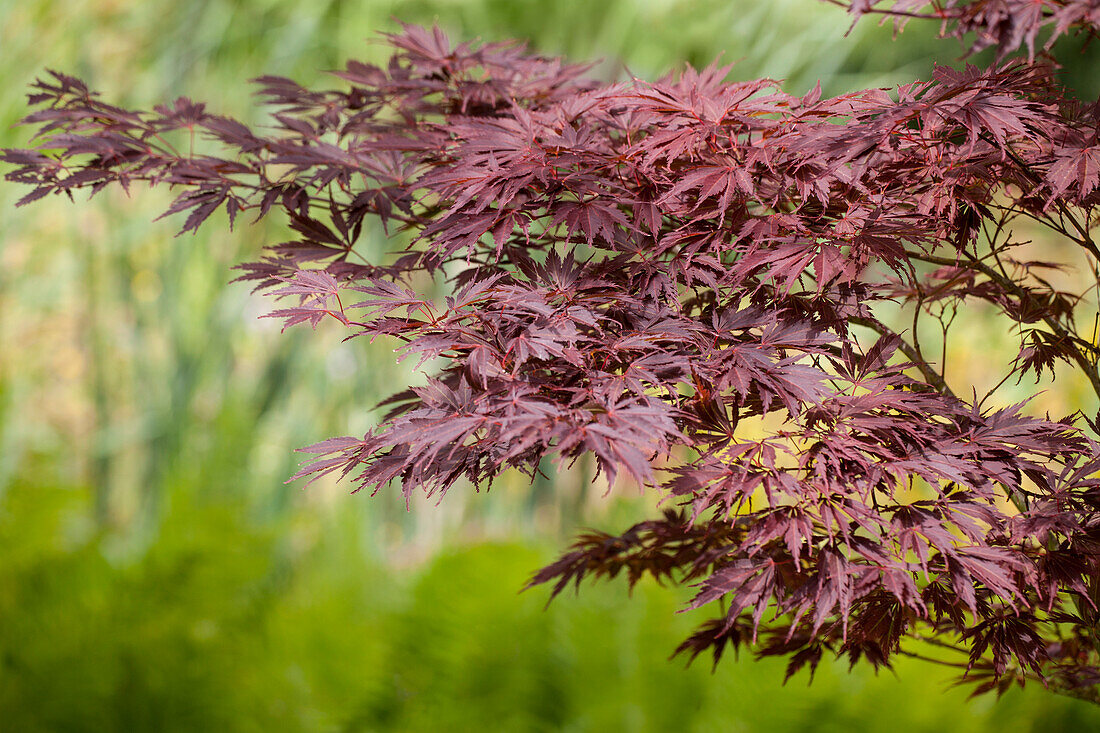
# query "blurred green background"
(155, 571)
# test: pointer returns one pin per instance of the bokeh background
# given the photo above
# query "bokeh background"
(156, 573)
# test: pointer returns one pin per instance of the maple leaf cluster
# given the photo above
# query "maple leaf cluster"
(1006, 25)
(683, 279)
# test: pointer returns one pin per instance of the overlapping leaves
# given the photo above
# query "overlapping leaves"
(639, 271)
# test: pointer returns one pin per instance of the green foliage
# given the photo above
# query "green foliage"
(231, 625)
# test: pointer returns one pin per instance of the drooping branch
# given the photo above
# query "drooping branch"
(637, 271)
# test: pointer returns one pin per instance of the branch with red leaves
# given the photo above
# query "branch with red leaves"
(1006, 25)
(644, 271)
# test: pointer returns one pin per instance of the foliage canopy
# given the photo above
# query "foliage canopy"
(687, 279)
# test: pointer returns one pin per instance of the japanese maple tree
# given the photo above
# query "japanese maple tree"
(692, 280)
